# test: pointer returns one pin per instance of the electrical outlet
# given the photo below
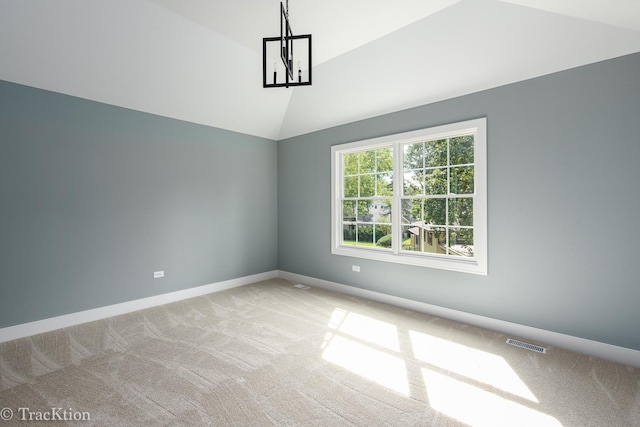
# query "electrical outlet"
(158, 274)
(355, 268)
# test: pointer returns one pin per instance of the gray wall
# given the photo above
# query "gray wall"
(564, 204)
(94, 198)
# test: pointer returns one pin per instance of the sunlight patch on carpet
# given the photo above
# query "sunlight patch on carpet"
(477, 407)
(365, 328)
(361, 344)
(469, 362)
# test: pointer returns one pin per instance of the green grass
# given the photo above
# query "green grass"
(406, 244)
(353, 243)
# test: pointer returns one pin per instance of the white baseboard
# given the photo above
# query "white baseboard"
(51, 324)
(593, 348)
(541, 336)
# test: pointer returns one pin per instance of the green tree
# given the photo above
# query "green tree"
(368, 177)
(439, 168)
(368, 173)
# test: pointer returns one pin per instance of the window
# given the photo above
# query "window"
(416, 198)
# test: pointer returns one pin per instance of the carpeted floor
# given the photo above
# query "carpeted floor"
(273, 354)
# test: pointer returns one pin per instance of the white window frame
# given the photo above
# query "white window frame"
(476, 264)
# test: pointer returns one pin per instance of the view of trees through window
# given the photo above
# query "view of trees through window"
(366, 206)
(436, 202)
(416, 198)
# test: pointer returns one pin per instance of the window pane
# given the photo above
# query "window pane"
(349, 234)
(351, 186)
(435, 211)
(412, 184)
(351, 164)
(411, 238)
(414, 156)
(383, 236)
(461, 180)
(365, 235)
(412, 210)
(384, 159)
(384, 184)
(367, 186)
(461, 150)
(349, 210)
(382, 211)
(461, 242)
(461, 211)
(435, 181)
(436, 153)
(423, 239)
(368, 162)
(365, 208)
(434, 240)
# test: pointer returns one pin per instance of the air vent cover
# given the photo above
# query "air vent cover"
(526, 345)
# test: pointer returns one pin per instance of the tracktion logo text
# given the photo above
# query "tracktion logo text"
(52, 414)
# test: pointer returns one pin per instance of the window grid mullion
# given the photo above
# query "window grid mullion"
(396, 204)
(446, 214)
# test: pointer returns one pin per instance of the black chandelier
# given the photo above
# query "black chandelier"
(288, 70)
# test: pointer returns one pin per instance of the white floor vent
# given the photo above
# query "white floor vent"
(526, 345)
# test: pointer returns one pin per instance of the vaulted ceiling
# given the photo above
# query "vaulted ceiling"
(201, 60)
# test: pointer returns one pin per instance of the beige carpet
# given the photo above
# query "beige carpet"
(272, 354)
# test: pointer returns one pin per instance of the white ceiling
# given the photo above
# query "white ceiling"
(201, 60)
